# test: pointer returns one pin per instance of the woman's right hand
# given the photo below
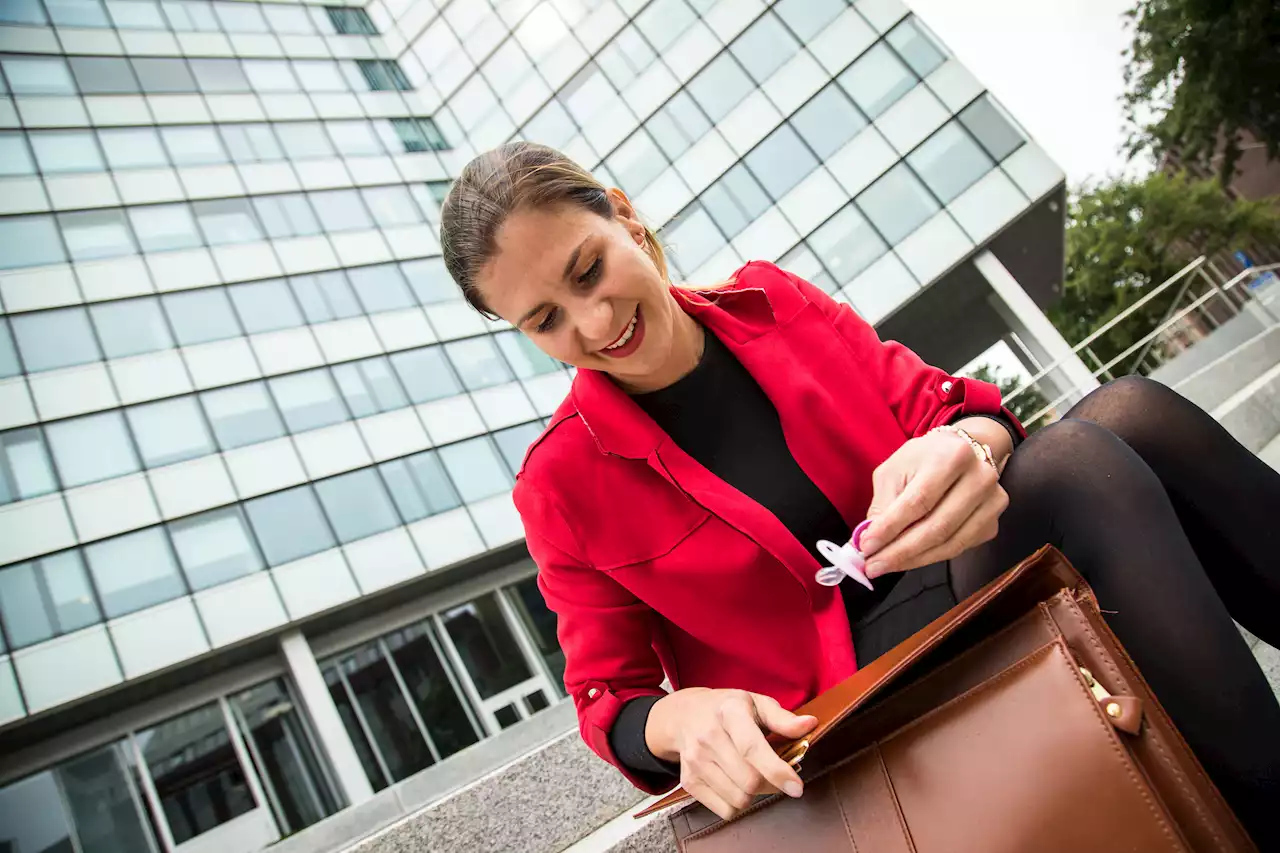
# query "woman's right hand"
(718, 736)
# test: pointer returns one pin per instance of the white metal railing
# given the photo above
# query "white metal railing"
(1172, 317)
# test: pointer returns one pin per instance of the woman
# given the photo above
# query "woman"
(712, 437)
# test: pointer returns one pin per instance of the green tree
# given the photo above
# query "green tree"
(1200, 71)
(1025, 405)
(1126, 237)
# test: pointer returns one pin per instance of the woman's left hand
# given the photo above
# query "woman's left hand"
(935, 499)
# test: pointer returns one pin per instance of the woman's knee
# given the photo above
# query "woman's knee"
(1125, 404)
(1073, 457)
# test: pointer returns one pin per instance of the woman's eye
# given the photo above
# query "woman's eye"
(592, 275)
(548, 321)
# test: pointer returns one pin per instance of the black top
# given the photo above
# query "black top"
(723, 419)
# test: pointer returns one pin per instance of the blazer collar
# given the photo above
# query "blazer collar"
(622, 428)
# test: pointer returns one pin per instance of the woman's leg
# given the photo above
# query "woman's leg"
(1226, 498)
(1079, 487)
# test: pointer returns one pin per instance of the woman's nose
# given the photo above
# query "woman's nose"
(596, 323)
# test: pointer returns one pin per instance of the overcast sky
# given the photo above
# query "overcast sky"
(1056, 64)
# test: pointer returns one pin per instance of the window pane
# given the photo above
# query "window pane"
(29, 75)
(319, 76)
(897, 203)
(477, 361)
(692, 238)
(357, 505)
(8, 352)
(678, 125)
(419, 134)
(431, 689)
(136, 14)
(169, 431)
(161, 227)
(242, 414)
(91, 448)
(29, 241)
(392, 206)
(369, 387)
(286, 215)
(270, 75)
(78, 13)
(308, 400)
(340, 210)
(33, 817)
(133, 148)
(304, 139)
(950, 161)
(551, 126)
(637, 162)
(351, 22)
(106, 810)
(219, 75)
(419, 485)
(251, 143)
(196, 16)
(45, 598)
(807, 18)
(325, 296)
(25, 468)
(764, 47)
(486, 645)
(430, 280)
(194, 145)
(523, 356)
(380, 288)
(425, 374)
(66, 151)
(164, 75)
(289, 525)
(265, 306)
(721, 86)
(201, 315)
(191, 760)
(130, 327)
(514, 442)
(475, 469)
(828, 121)
(286, 20)
(802, 261)
(52, 339)
(103, 75)
(914, 44)
(354, 138)
(15, 157)
(736, 200)
(96, 234)
(781, 161)
(22, 12)
(227, 221)
(847, 244)
(877, 80)
(215, 547)
(664, 21)
(383, 75)
(992, 127)
(241, 17)
(134, 571)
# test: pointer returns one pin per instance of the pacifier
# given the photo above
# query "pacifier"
(846, 560)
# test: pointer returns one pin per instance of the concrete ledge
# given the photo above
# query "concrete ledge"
(1252, 414)
(1213, 384)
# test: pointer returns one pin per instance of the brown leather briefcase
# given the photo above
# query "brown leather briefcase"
(1014, 722)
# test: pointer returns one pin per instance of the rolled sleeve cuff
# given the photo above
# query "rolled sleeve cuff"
(598, 713)
(963, 398)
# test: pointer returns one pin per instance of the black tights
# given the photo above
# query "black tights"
(1174, 525)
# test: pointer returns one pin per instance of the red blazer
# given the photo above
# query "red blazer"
(654, 565)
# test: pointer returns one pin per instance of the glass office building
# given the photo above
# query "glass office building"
(258, 556)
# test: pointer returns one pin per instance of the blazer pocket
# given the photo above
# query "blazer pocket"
(651, 541)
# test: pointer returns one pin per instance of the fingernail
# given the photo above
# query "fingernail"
(875, 570)
(793, 789)
(868, 544)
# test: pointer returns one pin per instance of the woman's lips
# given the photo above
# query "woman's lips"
(637, 335)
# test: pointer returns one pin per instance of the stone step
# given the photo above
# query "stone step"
(1252, 414)
(1214, 383)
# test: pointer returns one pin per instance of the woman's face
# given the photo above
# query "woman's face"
(583, 288)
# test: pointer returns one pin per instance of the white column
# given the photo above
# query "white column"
(1032, 323)
(329, 729)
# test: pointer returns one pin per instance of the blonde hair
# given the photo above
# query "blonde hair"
(511, 177)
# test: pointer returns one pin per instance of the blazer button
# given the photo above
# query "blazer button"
(592, 693)
(946, 387)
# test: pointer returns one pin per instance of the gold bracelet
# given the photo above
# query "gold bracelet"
(982, 451)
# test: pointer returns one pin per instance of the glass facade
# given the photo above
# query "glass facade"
(238, 388)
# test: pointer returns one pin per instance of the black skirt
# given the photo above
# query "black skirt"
(919, 597)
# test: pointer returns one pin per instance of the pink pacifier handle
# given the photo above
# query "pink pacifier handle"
(856, 538)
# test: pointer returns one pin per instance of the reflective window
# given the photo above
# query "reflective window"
(265, 306)
(286, 215)
(383, 75)
(828, 121)
(486, 645)
(66, 151)
(215, 547)
(340, 210)
(354, 138)
(781, 161)
(25, 468)
(425, 374)
(197, 776)
(513, 443)
(103, 75)
(430, 280)
(77, 13)
(52, 339)
(30, 75)
(227, 221)
(158, 76)
(319, 75)
(193, 145)
(325, 296)
(288, 20)
(664, 21)
(351, 22)
(270, 75)
(475, 468)
(847, 244)
(199, 316)
(8, 352)
(692, 238)
(950, 161)
(678, 125)
(133, 147)
(93, 234)
(29, 241)
(897, 203)
(419, 485)
(418, 134)
(289, 525)
(877, 80)
(169, 431)
(91, 448)
(308, 400)
(196, 16)
(802, 261)
(636, 162)
(241, 414)
(916, 45)
(136, 14)
(628, 54)
(523, 355)
(807, 18)
(357, 505)
(219, 75)
(304, 139)
(721, 86)
(764, 48)
(241, 17)
(541, 623)
(369, 386)
(380, 288)
(134, 571)
(431, 688)
(161, 227)
(477, 362)
(130, 327)
(552, 125)
(995, 130)
(735, 200)
(46, 597)
(15, 157)
(22, 12)
(392, 206)
(251, 143)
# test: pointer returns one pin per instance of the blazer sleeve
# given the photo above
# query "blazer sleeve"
(921, 397)
(606, 633)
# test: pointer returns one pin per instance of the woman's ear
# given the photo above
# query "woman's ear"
(625, 213)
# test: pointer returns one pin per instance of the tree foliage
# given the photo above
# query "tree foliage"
(1126, 237)
(1025, 405)
(1201, 71)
